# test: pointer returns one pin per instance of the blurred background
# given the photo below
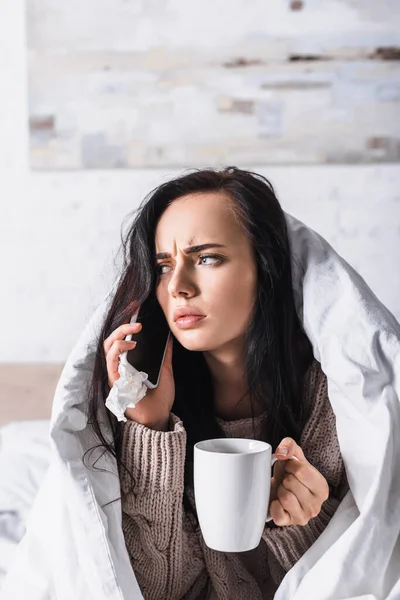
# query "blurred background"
(102, 100)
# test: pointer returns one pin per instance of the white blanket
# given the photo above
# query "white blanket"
(24, 459)
(75, 550)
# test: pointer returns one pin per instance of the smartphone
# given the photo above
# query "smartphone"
(149, 353)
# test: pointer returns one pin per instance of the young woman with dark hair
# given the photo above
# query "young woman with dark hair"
(215, 243)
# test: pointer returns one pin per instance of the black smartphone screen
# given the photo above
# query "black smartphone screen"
(151, 340)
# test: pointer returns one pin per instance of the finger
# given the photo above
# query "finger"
(309, 504)
(112, 358)
(293, 512)
(288, 448)
(278, 514)
(293, 450)
(273, 489)
(308, 476)
(301, 468)
(120, 333)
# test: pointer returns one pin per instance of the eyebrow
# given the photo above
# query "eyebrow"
(190, 250)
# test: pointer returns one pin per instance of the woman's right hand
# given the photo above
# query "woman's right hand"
(154, 409)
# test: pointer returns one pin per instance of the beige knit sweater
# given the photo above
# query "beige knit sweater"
(166, 547)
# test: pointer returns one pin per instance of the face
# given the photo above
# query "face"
(206, 266)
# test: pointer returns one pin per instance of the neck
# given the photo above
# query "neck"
(231, 393)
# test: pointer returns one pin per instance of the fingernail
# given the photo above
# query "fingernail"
(282, 450)
(134, 343)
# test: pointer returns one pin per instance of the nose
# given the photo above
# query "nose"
(180, 283)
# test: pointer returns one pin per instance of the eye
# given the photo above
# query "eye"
(160, 269)
(204, 259)
(213, 257)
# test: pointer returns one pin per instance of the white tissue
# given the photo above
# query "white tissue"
(128, 390)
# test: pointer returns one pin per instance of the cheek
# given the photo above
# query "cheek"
(237, 287)
(233, 296)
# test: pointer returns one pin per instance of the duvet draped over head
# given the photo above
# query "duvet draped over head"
(74, 546)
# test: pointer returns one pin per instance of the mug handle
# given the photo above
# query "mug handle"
(273, 461)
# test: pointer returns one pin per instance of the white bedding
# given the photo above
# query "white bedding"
(74, 547)
(24, 458)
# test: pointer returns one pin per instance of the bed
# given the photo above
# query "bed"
(25, 405)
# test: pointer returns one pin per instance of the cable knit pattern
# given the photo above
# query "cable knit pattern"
(166, 547)
(321, 448)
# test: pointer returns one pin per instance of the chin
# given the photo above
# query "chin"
(191, 340)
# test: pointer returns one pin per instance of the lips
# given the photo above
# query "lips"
(189, 321)
(186, 311)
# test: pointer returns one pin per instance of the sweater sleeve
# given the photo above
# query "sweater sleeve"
(320, 445)
(160, 537)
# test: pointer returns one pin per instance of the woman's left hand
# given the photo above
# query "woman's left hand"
(298, 489)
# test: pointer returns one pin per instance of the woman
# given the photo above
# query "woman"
(215, 243)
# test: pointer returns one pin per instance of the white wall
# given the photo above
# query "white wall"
(138, 84)
(59, 231)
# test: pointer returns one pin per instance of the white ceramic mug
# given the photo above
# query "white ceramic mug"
(232, 479)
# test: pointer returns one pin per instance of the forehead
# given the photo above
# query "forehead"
(197, 218)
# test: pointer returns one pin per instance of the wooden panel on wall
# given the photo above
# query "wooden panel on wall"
(167, 83)
(27, 391)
